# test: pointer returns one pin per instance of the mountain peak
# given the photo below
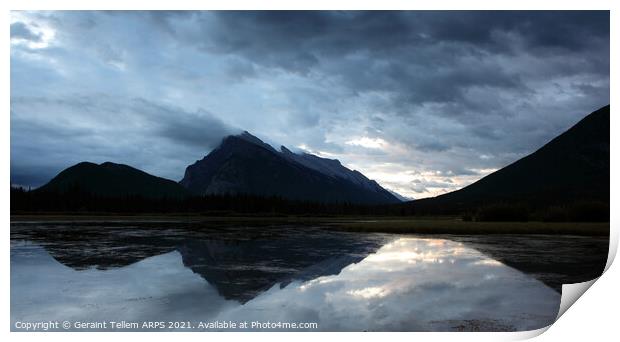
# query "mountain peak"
(248, 137)
(285, 150)
(571, 168)
(109, 163)
(110, 179)
(112, 165)
(237, 166)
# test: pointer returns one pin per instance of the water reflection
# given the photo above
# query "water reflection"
(406, 284)
(240, 270)
(240, 263)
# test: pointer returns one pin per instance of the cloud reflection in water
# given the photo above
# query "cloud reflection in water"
(408, 284)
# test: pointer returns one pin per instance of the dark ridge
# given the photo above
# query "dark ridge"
(245, 165)
(112, 180)
(572, 168)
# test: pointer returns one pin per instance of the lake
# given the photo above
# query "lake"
(159, 276)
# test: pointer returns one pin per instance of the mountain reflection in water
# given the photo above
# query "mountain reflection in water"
(239, 263)
(341, 281)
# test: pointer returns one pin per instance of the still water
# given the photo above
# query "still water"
(322, 280)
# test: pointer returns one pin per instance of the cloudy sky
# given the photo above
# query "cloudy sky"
(422, 102)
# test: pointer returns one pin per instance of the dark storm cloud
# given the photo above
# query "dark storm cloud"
(417, 57)
(569, 30)
(452, 95)
(200, 129)
(133, 131)
(297, 40)
(21, 31)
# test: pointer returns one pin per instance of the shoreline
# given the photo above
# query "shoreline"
(360, 224)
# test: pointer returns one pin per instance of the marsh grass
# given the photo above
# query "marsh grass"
(457, 226)
(415, 225)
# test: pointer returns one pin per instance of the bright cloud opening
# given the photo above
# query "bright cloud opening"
(366, 142)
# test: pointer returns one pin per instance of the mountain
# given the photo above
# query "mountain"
(239, 263)
(236, 268)
(572, 167)
(331, 168)
(243, 164)
(112, 180)
(401, 197)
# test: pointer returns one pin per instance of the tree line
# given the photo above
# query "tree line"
(74, 200)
